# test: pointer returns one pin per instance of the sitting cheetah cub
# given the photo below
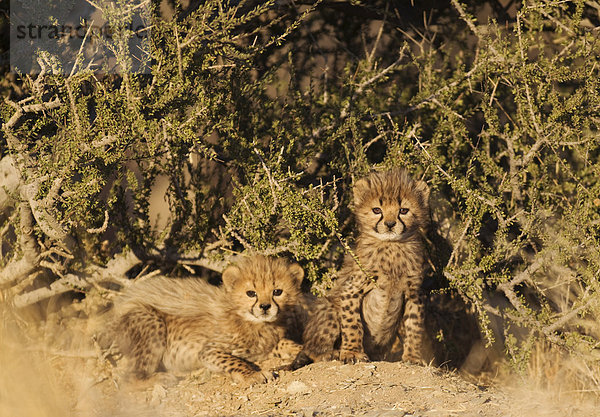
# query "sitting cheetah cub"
(371, 298)
(180, 325)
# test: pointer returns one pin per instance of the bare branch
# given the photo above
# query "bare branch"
(203, 261)
(113, 272)
(374, 140)
(471, 25)
(18, 269)
(67, 283)
(15, 271)
(508, 287)
(10, 181)
(47, 222)
(31, 108)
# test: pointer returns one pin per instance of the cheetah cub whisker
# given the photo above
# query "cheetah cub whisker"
(180, 325)
(372, 298)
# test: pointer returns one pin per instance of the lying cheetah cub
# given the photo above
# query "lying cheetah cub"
(364, 310)
(180, 325)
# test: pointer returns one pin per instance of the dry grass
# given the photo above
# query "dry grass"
(51, 368)
(29, 384)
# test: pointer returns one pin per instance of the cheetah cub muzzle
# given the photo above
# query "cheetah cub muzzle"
(378, 297)
(180, 325)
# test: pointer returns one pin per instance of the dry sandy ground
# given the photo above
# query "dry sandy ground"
(70, 387)
(334, 389)
(327, 389)
(65, 375)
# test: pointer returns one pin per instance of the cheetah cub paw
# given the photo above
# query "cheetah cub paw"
(412, 357)
(258, 377)
(351, 356)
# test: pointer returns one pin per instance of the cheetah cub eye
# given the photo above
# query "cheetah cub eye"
(403, 210)
(251, 294)
(277, 292)
(376, 210)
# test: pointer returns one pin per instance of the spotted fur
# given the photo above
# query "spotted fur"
(360, 317)
(185, 324)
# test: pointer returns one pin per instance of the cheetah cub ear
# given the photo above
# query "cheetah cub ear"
(297, 273)
(230, 276)
(360, 188)
(423, 189)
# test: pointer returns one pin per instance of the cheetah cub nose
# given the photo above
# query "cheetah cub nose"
(390, 223)
(265, 307)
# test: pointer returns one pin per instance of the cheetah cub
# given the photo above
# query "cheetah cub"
(374, 297)
(180, 325)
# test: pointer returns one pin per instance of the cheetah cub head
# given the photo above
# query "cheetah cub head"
(261, 287)
(390, 206)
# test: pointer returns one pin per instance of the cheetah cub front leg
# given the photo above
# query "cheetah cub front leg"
(351, 327)
(414, 325)
(242, 371)
(286, 349)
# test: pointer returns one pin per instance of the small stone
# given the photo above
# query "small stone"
(297, 387)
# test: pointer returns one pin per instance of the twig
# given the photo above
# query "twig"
(527, 91)
(389, 68)
(523, 275)
(459, 242)
(429, 98)
(179, 47)
(567, 317)
(272, 182)
(513, 169)
(556, 21)
(235, 234)
(451, 180)
(55, 267)
(79, 53)
(379, 33)
(372, 141)
(102, 228)
(217, 266)
(56, 251)
(143, 276)
(471, 25)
